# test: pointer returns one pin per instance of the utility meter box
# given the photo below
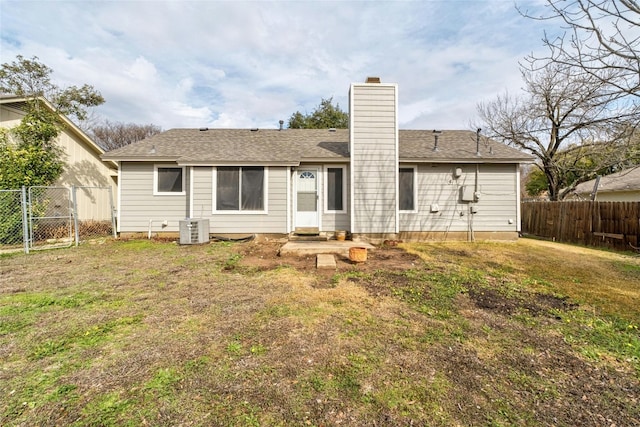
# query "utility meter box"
(468, 193)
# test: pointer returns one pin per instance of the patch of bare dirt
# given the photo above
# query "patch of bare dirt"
(491, 299)
(264, 256)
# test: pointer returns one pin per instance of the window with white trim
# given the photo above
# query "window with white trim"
(335, 188)
(168, 180)
(407, 188)
(239, 188)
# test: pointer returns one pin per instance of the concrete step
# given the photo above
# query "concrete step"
(326, 261)
(321, 237)
(310, 231)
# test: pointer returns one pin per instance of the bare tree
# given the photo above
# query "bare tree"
(601, 38)
(574, 123)
(112, 135)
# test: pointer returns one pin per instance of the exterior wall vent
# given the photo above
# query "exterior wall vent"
(194, 231)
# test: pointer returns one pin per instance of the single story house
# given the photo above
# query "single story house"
(83, 164)
(623, 186)
(373, 179)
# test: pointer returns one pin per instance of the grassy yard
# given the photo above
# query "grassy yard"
(445, 334)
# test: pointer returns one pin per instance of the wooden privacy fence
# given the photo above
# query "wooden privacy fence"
(610, 224)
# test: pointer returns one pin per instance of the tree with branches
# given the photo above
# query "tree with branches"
(325, 116)
(574, 123)
(601, 38)
(29, 154)
(31, 79)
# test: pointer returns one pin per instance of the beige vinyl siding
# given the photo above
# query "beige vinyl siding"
(332, 221)
(84, 168)
(202, 192)
(273, 221)
(335, 221)
(499, 199)
(437, 184)
(373, 150)
(139, 205)
(10, 117)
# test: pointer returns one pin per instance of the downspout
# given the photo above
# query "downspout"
(475, 189)
(289, 200)
(472, 211)
(119, 198)
(190, 174)
(149, 233)
(518, 207)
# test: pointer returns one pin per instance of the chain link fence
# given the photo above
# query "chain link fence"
(94, 212)
(49, 217)
(13, 219)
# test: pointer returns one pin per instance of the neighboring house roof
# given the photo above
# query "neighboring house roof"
(19, 103)
(292, 146)
(626, 180)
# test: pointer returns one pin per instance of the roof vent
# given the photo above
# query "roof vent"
(254, 129)
(204, 129)
(332, 129)
(281, 123)
(436, 134)
(373, 80)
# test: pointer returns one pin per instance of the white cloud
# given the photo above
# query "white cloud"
(241, 64)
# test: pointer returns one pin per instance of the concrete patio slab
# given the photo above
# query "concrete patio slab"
(328, 247)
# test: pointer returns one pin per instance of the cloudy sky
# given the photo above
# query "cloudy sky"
(249, 64)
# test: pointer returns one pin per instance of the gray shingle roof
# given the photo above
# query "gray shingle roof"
(292, 146)
(626, 180)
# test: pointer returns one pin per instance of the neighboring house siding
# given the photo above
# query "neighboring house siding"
(273, 221)
(616, 196)
(10, 117)
(83, 168)
(373, 149)
(139, 206)
(437, 185)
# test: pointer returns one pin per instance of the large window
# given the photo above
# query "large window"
(168, 180)
(335, 185)
(407, 186)
(240, 188)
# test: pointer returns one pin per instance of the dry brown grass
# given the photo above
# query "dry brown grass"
(609, 281)
(135, 333)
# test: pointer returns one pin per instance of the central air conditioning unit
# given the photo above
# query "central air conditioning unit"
(194, 231)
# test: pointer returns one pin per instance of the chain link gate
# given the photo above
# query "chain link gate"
(54, 217)
(94, 213)
(50, 217)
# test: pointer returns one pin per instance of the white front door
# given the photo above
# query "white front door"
(307, 198)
